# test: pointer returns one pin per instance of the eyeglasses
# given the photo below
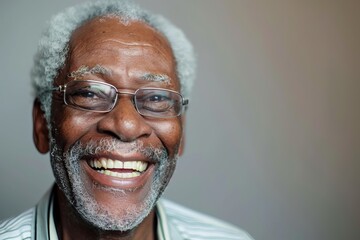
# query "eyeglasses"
(95, 96)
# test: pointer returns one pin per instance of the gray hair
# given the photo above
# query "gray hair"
(53, 46)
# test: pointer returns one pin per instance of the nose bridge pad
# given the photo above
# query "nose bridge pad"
(133, 101)
(129, 96)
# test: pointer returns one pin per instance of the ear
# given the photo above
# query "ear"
(40, 129)
(182, 141)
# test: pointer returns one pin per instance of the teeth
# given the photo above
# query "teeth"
(139, 166)
(120, 175)
(110, 164)
(97, 164)
(118, 164)
(104, 163)
(131, 165)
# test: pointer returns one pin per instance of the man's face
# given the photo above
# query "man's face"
(84, 142)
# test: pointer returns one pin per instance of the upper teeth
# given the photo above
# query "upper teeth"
(139, 166)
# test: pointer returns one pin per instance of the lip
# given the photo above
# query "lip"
(116, 182)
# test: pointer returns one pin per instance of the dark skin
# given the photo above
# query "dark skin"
(128, 52)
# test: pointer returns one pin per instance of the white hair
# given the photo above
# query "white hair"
(53, 47)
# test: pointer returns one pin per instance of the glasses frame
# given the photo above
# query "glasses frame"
(62, 89)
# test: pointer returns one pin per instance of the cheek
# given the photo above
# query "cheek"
(169, 133)
(69, 128)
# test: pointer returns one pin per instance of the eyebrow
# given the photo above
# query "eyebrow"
(98, 69)
(156, 77)
(83, 70)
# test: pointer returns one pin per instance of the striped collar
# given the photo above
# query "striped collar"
(43, 214)
(44, 227)
(163, 232)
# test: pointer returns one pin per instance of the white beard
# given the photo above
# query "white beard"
(68, 174)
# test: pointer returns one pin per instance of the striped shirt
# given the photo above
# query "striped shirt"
(174, 223)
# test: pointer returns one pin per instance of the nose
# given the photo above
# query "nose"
(124, 122)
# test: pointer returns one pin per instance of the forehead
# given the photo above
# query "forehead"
(107, 41)
(112, 27)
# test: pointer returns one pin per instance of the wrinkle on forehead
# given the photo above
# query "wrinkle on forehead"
(136, 47)
(140, 44)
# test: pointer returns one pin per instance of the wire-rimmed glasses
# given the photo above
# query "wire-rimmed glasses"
(96, 96)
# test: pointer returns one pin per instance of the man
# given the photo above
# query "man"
(112, 83)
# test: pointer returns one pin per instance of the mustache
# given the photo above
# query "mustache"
(105, 145)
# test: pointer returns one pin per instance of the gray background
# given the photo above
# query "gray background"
(273, 131)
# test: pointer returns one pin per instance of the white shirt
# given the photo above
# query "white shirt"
(174, 223)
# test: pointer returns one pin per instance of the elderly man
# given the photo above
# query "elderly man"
(112, 83)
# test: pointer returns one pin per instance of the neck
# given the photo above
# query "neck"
(70, 225)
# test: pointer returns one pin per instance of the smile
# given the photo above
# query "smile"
(119, 169)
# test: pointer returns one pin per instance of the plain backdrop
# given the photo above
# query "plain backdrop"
(273, 128)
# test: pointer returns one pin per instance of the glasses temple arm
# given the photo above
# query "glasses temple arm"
(185, 102)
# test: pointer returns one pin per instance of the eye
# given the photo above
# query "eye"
(154, 100)
(157, 98)
(89, 93)
(89, 98)
(84, 93)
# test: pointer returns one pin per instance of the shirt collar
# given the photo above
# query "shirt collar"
(43, 214)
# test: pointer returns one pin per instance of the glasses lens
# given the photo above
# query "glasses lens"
(90, 95)
(158, 102)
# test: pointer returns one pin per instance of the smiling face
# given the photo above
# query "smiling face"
(113, 166)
